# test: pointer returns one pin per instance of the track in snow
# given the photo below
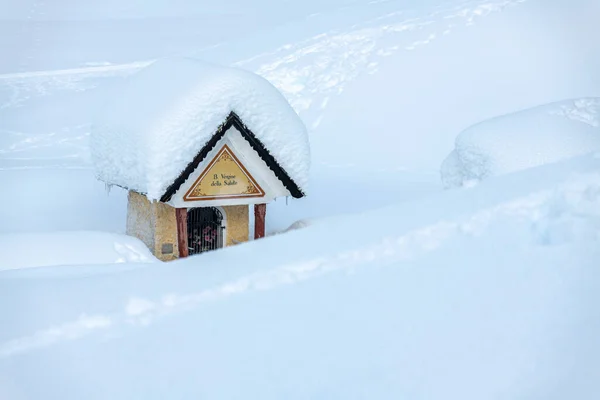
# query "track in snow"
(309, 72)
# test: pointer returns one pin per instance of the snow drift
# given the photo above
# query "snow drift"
(26, 250)
(525, 139)
(480, 294)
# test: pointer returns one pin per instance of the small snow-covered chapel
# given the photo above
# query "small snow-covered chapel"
(200, 148)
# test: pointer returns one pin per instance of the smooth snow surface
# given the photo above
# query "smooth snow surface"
(165, 114)
(417, 308)
(523, 140)
(26, 250)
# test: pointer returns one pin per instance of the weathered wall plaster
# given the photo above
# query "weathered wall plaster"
(154, 224)
(237, 224)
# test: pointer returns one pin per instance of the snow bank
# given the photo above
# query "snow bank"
(481, 294)
(27, 250)
(167, 112)
(523, 140)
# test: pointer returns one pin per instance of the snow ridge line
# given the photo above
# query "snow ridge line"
(576, 203)
(480, 8)
(308, 72)
(311, 71)
(77, 71)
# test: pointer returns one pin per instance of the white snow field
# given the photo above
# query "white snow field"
(523, 140)
(484, 293)
(391, 287)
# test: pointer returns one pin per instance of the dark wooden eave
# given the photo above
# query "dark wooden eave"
(235, 121)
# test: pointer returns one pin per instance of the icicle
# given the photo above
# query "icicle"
(286, 200)
(107, 188)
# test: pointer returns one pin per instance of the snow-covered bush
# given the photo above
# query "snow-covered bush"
(524, 139)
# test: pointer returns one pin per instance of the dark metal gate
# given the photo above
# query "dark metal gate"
(205, 230)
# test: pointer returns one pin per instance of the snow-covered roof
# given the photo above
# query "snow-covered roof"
(168, 112)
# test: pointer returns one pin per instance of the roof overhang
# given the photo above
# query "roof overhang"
(234, 121)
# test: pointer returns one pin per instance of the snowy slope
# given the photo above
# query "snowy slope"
(117, 31)
(481, 293)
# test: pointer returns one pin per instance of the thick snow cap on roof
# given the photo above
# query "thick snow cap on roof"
(166, 113)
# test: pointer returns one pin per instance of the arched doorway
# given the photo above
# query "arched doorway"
(205, 229)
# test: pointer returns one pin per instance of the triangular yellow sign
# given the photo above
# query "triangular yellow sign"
(224, 178)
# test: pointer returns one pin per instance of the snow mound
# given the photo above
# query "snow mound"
(297, 225)
(28, 250)
(166, 113)
(525, 139)
(300, 224)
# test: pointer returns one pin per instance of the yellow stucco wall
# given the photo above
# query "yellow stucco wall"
(237, 224)
(166, 231)
(154, 224)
